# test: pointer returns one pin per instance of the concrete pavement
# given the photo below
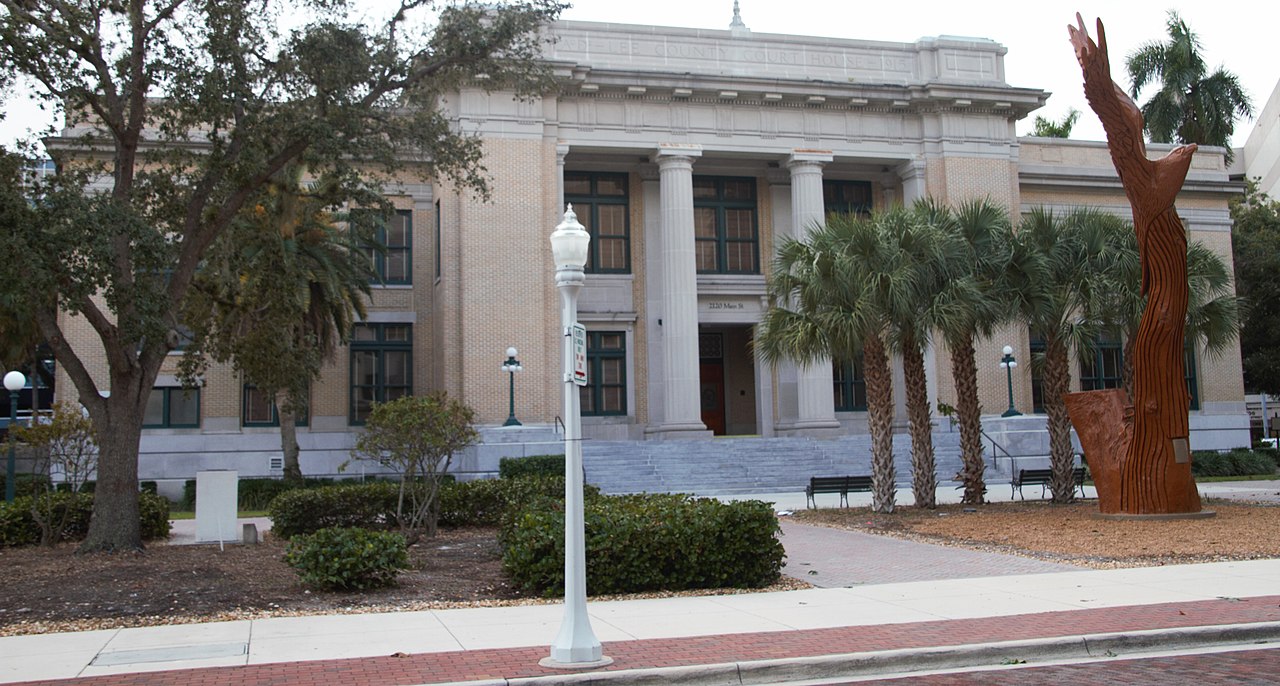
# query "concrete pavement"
(878, 624)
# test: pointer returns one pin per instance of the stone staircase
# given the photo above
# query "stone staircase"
(726, 466)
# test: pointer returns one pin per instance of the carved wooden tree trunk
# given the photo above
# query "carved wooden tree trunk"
(1155, 476)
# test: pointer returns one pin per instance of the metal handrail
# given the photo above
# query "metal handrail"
(559, 423)
(994, 457)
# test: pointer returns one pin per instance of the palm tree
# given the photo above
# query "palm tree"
(1057, 272)
(971, 303)
(280, 293)
(828, 296)
(1192, 106)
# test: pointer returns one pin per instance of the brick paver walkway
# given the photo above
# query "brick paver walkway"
(523, 662)
(835, 558)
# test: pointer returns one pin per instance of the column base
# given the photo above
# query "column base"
(679, 431)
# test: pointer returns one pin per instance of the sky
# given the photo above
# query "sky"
(1039, 54)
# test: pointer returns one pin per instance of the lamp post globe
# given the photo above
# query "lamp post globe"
(576, 645)
(1008, 363)
(13, 381)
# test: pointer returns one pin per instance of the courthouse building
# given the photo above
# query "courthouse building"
(688, 154)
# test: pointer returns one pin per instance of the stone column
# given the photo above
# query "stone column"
(562, 150)
(682, 410)
(815, 405)
(912, 174)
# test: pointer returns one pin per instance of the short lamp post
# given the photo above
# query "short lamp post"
(14, 381)
(511, 366)
(576, 646)
(1009, 364)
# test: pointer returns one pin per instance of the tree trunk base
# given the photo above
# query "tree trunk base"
(1104, 422)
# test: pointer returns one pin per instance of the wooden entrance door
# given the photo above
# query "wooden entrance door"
(712, 376)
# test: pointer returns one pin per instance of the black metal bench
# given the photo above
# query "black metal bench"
(1043, 477)
(844, 485)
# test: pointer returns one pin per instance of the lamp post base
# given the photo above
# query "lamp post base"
(512, 421)
(553, 663)
(1011, 413)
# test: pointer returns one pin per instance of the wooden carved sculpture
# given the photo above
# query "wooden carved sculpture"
(1138, 454)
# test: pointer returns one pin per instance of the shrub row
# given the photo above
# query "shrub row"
(348, 559)
(1239, 462)
(252, 494)
(18, 527)
(373, 505)
(533, 465)
(646, 542)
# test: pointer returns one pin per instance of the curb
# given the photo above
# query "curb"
(907, 660)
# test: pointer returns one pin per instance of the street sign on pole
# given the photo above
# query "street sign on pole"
(579, 333)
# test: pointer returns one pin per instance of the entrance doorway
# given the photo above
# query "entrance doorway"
(727, 375)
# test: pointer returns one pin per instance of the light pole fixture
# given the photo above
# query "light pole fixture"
(14, 381)
(511, 366)
(1009, 364)
(576, 646)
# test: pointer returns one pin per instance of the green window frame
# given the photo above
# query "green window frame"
(606, 391)
(258, 410)
(172, 407)
(846, 197)
(1193, 385)
(850, 387)
(726, 225)
(1102, 364)
(439, 240)
(392, 259)
(1037, 348)
(381, 364)
(602, 203)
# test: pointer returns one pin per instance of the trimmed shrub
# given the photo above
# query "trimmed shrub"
(343, 559)
(252, 494)
(365, 506)
(532, 465)
(18, 527)
(484, 502)
(1238, 462)
(641, 543)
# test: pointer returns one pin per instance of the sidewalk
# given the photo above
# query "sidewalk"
(860, 624)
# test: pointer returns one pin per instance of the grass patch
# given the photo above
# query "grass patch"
(1248, 477)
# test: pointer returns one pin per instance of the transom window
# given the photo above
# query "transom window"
(850, 388)
(172, 408)
(601, 203)
(606, 389)
(381, 366)
(846, 197)
(724, 225)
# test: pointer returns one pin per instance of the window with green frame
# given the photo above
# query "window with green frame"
(724, 225)
(601, 203)
(1108, 356)
(172, 408)
(846, 197)
(256, 409)
(850, 387)
(606, 391)
(1193, 385)
(381, 366)
(1037, 374)
(393, 264)
(438, 239)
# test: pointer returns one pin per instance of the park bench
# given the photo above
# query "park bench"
(1032, 477)
(844, 485)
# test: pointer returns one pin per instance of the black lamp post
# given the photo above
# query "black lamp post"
(1009, 364)
(14, 381)
(511, 366)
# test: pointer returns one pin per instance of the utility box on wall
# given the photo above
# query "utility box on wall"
(217, 496)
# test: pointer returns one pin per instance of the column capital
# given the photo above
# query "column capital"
(801, 157)
(671, 152)
(910, 170)
(562, 150)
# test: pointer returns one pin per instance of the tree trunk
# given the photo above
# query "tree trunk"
(964, 369)
(289, 440)
(879, 380)
(1057, 381)
(115, 525)
(924, 477)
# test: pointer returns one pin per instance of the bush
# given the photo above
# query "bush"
(1238, 462)
(251, 494)
(533, 465)
(340, 558)
(18, 527)
(25, 484)
(645, 543)
(364, 506)
(484, 502)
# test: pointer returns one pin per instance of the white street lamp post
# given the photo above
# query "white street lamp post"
(1009, 364)
(13, 381)
(576, 646)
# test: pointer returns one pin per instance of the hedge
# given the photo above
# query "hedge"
(373, 505)
(1238, 462)
(252, 494)
(533, 465)
(642, 543)
(17, 527)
